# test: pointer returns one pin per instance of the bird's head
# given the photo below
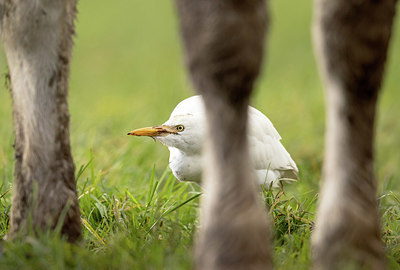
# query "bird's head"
(185, 129)
(185, 132)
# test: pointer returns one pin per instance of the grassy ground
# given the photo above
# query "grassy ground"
(127, 72)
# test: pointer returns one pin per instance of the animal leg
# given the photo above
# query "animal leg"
(37, 38)
(351, 40)
(224, 45)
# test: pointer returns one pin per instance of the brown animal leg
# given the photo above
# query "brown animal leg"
(224, 44)
(37, 38)
(351, 40)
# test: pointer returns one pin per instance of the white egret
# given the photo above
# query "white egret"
(184, 132)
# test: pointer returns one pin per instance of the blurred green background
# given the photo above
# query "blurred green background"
(127, 72)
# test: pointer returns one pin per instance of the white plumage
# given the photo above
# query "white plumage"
(183, 133)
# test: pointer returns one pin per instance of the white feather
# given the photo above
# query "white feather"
(272, 162)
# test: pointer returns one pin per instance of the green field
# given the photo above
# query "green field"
(127, 72)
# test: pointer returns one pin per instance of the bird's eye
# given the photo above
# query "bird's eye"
(180, 128)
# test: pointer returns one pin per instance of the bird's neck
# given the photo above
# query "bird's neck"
(185, 166)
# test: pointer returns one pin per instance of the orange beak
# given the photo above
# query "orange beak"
(152, 131)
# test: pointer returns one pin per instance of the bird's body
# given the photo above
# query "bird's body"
(184, 132)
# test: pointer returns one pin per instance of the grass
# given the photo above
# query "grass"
(127, 72)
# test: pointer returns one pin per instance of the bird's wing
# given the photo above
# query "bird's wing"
(266, 149)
